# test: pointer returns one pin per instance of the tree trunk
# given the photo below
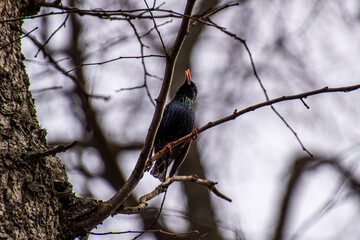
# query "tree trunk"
(36, 200)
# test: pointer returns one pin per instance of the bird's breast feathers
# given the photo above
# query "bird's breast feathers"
(178, 120)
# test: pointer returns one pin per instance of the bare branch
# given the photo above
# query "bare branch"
(122, 15)
(47, 40)
(142, 45)
(159, 25)
(130, 88)
(302, 100)
(243, 42)
(237, 113)
(2, 46)
(330, 203)
(46, 89)
(299, 167)
(106, 14)
(114, 59)
(30, 17)
(164, 186)
(297, 170)
(292, 130)
(156, 28)
(148, 231)
(62, 70)
(50, 151)
(203, 17)
(116, 201)
(353, 182)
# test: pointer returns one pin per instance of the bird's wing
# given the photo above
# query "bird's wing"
(169, 127)
(159, 170)
(177, 121)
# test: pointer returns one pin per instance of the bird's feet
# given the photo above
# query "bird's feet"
(169, 146)
(148, 165)
(195, 131)
(151, 161)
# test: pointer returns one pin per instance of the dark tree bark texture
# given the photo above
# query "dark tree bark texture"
(36, 200)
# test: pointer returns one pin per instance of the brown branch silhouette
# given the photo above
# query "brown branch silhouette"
(156, 28)
(162, 188)
(108, 207)
(57, 66)
(243, 42)
(147, 231)
(113, 60)
(299, 167)
(237, 113)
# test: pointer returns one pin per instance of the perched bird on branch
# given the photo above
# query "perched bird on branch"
(178, 120)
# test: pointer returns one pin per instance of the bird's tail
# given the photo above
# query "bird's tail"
(159, 170)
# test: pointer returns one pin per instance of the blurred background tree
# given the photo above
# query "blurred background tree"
(297, 46)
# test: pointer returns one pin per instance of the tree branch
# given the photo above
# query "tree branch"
(243, 42)
(237, 113)
(113, 60)
(63, 71)
(50, 151)
(299, 167)
(162, 188)
(2, 46)
(297, 170)
(108, 207)
(156, 28)
(120, 14)
(147, 231)
(142, 46)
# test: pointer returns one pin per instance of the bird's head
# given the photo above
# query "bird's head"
(188, 89)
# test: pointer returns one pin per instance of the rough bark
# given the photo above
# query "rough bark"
(37, 201)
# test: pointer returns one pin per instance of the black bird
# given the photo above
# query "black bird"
(178, 120)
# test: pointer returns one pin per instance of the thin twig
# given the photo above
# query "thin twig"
(164, 186)
(147, 231)
(30, 17)
(112, 60)
(302, 100)
(62, 70)
(46, 89)
(152, 29)
(157, 30)
(292, 130)
(157, 216)
(332, 200)
(142, 45)
(243, 42)
(351, 180)
(296, 172)
(25, 35)
(203, 17)
(122, 15)
(299, 167)
(50, 151)
(130, 88)
(47, 40)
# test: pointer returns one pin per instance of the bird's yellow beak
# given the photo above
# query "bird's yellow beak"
(187, 76)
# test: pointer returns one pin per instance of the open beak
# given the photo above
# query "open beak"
(187, 76)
